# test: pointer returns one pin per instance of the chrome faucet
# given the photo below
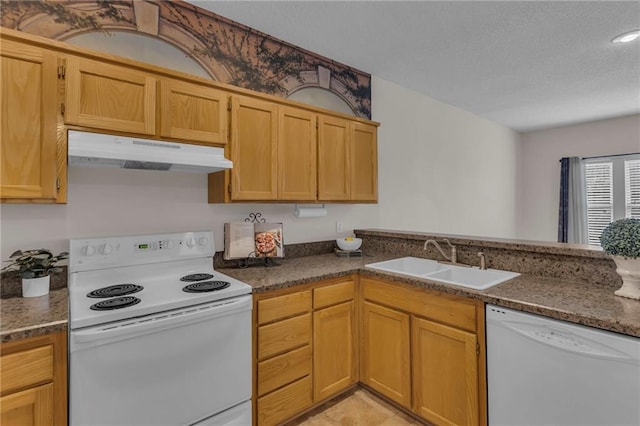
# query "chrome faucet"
(483, 261)
(453, 258)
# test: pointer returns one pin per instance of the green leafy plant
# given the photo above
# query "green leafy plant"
(622, 238)
(34, 263)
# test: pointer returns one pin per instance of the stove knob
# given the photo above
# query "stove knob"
(191, 242)
(88, 250)
(105, 249)
(203, 241)
(170, 244)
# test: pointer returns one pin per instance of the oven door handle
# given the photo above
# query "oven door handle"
(127, 329)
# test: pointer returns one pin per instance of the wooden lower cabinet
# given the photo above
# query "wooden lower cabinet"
(30, 407)
(285, 403)
(445, 373)
(385, 362)
(421, 349)
(425, 351)
(334, 362)
(306, 351)
(33, 381)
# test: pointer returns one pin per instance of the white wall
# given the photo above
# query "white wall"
(539, 167)
(442, 169)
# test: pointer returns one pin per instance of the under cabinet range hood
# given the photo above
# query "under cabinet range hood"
(95, 149)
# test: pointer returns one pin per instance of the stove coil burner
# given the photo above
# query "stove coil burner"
(196, 277)
(206, 286)
(115, 290)
(115, 303)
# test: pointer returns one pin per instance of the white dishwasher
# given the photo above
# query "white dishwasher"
(547, 372)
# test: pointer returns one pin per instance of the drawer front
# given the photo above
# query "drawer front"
(440, 307)
(334, 294)
(283, 336)
(285, 403)
(283, 369)
(26, 368)
(276, 308)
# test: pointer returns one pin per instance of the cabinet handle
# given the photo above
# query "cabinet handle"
(62, 109)
(58, 184)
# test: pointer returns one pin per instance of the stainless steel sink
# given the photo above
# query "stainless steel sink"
(470, 277)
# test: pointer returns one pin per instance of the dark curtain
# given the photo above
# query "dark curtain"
(563, 211)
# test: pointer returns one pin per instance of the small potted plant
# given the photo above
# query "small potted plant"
(34, 266)
(621, 239)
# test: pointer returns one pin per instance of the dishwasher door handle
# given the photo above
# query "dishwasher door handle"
(567, 341)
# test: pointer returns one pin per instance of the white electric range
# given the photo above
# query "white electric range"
(156, 335)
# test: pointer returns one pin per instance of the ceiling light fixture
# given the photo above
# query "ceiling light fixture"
(626, 37)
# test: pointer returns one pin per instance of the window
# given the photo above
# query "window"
(613, 192)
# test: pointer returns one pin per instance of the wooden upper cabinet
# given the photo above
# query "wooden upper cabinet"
(110, 97)
(334, 177)
(347, 160)
(254, 149)
(296, 155)
(364, 162)
(28, 136)
(193, 112)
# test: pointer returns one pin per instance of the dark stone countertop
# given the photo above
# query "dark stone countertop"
(572, 301)
(23, 317)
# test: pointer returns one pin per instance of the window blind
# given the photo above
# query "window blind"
(599, 177)
(632, 188)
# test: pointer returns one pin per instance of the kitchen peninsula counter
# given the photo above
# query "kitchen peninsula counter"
(573, 301)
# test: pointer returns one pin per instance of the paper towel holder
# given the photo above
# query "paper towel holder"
(306, 212)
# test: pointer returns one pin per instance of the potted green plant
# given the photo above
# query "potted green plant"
(621, 239)
(35, 267)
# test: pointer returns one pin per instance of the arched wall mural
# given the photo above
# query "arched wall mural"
(229, 52)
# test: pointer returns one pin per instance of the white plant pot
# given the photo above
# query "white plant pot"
(629, 270)
(34, 287)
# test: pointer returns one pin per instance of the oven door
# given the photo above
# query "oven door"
(171, 368)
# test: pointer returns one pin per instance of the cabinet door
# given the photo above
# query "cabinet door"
(193, 112)
(254, 149)
(334, 171)
(364, 162)
(334, 361)
(296, 155)
(30, 407)
(445, 374)
(385, 353)
(110, 97)
(28, 138)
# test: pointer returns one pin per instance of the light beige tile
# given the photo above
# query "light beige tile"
(360, 409)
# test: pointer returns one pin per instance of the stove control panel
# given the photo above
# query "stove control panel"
(98, 253)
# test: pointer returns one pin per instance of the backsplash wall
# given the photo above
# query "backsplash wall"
(109, 202)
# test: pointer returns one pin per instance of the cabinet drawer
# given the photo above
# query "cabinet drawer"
(276, 308)
(285, 403)
(26, 368)
(334, 294)
(283, 336)
(283, 369)
(443, 308)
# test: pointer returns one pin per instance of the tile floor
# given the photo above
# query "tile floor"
(360, 409)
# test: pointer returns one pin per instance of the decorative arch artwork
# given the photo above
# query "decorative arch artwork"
(229, 52)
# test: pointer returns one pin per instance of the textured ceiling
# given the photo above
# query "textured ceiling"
(526, 65)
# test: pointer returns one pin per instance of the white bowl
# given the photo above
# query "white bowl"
(349, 245)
